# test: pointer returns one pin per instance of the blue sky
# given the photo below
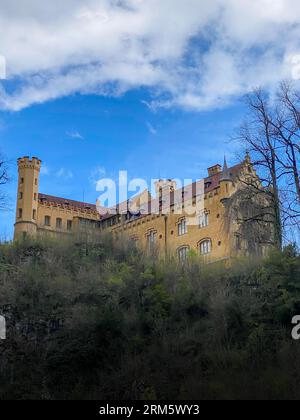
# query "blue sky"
(81, 139)
(153, 87)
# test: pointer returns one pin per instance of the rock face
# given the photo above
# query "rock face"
(250, 221)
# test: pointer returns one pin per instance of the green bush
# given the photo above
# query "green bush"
(103, 321)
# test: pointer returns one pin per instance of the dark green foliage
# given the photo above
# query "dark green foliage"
(103, 321)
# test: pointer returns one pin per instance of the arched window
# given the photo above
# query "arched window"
(151, 239)
(205, 247)
(182, 227)
(183, 253)
(203, 220)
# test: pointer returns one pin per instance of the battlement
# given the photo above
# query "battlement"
(26, 162)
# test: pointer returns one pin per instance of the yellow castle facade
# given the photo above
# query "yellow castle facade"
(164, 222)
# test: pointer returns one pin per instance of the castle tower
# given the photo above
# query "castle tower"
(27, 200)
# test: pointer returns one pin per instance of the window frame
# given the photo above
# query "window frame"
(151, 239)
(205, 247)
(59, 223)
(182, 227)
(182, 253)
(203, 220)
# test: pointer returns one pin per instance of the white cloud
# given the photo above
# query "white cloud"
(152, 130)
(75, 135)
(191, 54)
(66, 174)
(44, 170)
(96, 174)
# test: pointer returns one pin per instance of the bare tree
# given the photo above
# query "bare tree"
(258, 136)
(286, 126)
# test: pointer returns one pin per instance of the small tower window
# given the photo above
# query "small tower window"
(34, 214)
(47, 221)
(22, 181)
(35, 196)
(21, 196)
(20, 213)
(36, 181)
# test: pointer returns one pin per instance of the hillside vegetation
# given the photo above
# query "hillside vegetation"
(101, 321)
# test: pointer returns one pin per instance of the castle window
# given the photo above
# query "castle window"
(151, 239)
(205, 247)
(182, 228)
(58, 223)
(35, 181)
(34, 214)
(183, 253)
(69, 225)
(22, 181)
(35, 196)
(20, 213)
(238, 242)
(203, 220)
(47, 221)
(21, 195)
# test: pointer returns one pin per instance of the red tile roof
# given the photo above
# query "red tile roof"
(210, 183)
(66, 202)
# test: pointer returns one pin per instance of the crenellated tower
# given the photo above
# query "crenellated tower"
(27, 202)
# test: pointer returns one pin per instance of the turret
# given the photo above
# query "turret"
(226, 181)
(27, 200)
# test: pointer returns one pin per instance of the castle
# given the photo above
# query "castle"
(163, 222)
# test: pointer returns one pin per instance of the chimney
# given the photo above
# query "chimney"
(164, 186)
(213, 170)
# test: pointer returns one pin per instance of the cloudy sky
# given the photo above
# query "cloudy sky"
(144, 85)
(193, 54)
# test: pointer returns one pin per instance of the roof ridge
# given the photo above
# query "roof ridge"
(70, 200)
